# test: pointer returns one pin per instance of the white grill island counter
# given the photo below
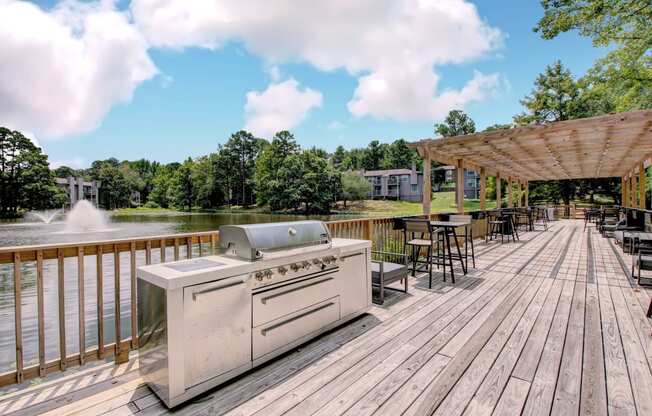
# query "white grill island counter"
(206, 320)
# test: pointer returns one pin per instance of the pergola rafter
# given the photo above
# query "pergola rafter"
(606, 146)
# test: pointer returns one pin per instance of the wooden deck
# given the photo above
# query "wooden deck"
(547, 325)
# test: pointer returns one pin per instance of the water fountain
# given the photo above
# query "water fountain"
(46, 216)
(84, 217)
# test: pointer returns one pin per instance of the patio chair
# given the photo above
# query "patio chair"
(387, 268)
(541, 217)
(642, 261)
(610, 221)
(418, 234)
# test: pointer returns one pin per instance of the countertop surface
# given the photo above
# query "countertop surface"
(178, 274)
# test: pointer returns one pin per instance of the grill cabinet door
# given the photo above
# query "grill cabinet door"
(217, 328)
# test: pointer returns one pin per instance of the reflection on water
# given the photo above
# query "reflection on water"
(25, 233)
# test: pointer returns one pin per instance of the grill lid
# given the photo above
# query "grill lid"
(253, 241)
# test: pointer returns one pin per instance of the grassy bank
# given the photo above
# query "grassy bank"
(441, 202)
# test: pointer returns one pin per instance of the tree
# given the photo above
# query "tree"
(354, 187)
(399, 156)
(374, 155)
(269, 186)
(318, 182)
(65, 172)
(456, 123)
(339, 157)
(625, 73)
(115, 188)
(241, 150)
(494, 127)
(26, 181)
(161, 186)
(555, 97)
(182, 187)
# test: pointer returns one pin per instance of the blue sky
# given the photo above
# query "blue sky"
(197, 97)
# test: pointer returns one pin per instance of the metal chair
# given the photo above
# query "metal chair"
(387, 268)
(641, 261)
(427, 238)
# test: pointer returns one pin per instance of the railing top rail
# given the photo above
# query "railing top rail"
(51, 246)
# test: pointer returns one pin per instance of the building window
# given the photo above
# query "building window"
(415, 188)
(405, 178)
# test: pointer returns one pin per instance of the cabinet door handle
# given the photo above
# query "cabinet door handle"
(294, 289)
(196, 293)
(264, 331)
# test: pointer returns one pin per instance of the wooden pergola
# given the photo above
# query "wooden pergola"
(613, 145)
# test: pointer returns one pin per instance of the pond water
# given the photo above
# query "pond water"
(19, 233)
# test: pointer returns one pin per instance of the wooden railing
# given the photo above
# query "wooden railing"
(96, 283)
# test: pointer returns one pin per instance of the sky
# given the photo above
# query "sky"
(171, 79)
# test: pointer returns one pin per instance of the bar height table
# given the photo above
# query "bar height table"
(449, 228)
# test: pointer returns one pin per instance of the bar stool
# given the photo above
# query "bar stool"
(495, 226)
(468, 237)
(427, 238)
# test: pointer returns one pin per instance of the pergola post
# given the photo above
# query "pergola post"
(483, 189)
(427, 196)
(633, 202)
(459, 186)
(623, 191)
(641, 185)
(510, 193)
(527, 193)
(499, 197)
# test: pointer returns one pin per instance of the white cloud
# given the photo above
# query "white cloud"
(63, 70)
(75, 163)
(281, 106)
(392, 46)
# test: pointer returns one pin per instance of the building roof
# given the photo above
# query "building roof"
(388, 172)
(606, 146)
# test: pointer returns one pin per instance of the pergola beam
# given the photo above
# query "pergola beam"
(604, 146)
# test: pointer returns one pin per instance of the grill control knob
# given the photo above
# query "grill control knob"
(268, 274)
(306, 264)
(326, 260)
(282, 270)
(295, 267)
(259, 276)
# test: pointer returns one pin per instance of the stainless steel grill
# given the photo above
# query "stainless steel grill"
(204, 321)
(255, 241)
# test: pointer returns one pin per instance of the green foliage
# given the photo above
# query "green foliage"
(269, 184)
(182, 188)
(116, 192)
(161, 186)
(457, 123)
(26, 181)
(239, 155)
(399, 156)
(65, 172)
(624, 76)
(494, 127)
(354, 187)
(555, 97)
(374, 155)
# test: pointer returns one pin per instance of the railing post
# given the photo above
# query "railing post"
(367, 231)
(18, 317)
(62, 310)
(80, 295)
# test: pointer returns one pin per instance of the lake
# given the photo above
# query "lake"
(21, 232)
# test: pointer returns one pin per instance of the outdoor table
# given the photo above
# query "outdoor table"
(450, 226)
